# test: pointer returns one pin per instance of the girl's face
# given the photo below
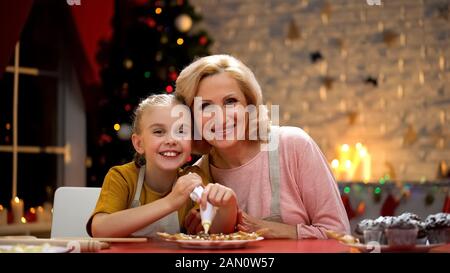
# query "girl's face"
(220, 95)
(164, 140)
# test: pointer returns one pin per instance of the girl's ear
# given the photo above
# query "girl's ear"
(137, 143)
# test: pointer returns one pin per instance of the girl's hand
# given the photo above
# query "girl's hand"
(183, 187)
(218, 195)
(272, 230)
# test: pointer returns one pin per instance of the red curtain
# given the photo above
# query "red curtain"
(93, 23)
(13, 15)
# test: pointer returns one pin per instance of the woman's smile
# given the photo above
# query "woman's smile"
(225, 130)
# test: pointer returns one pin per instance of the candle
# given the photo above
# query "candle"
(40, 215)
(348, 170)
(353, 163)
(367, 171)
(17, 210)
(31, 215)
(44, 213)
(3, 216)
(48, 210)
(335, 168)
(345, 149)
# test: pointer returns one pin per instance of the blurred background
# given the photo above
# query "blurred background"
(368, 80)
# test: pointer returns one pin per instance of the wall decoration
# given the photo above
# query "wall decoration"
(410, 136)
(390, 37)
(315, 56)
(443, 170)
(390, 170)
(371, 81)
(325, 12)
(328, 81)
(293, 31)
(443, 11)
(352, 116)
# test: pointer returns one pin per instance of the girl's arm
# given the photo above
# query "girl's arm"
(123, 223)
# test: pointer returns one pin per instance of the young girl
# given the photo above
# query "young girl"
(143, 197)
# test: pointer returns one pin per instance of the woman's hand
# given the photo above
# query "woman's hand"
(225, 220)
(183, 188)
(270, 230)
(218, 195)
(225, 199)
(193, 222)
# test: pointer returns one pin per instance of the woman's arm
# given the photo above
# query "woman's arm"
(317, 191)
(320, 194)
(269, 229)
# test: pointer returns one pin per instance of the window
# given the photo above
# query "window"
(50, 113)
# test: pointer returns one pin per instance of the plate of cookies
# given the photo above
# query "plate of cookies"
(202, 240)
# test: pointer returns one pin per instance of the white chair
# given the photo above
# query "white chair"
(72, 208)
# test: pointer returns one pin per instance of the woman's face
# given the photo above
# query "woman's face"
(221, 113)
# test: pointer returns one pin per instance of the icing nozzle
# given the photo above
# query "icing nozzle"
(206, 226)
(207, 216)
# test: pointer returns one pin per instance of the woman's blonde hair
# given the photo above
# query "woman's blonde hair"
(189, 80)
(145, 104)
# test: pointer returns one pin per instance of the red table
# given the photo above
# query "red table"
(264, 246)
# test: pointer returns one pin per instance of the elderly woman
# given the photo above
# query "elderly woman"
(286, 188)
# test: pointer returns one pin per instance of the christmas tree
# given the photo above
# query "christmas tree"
(151, 43)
